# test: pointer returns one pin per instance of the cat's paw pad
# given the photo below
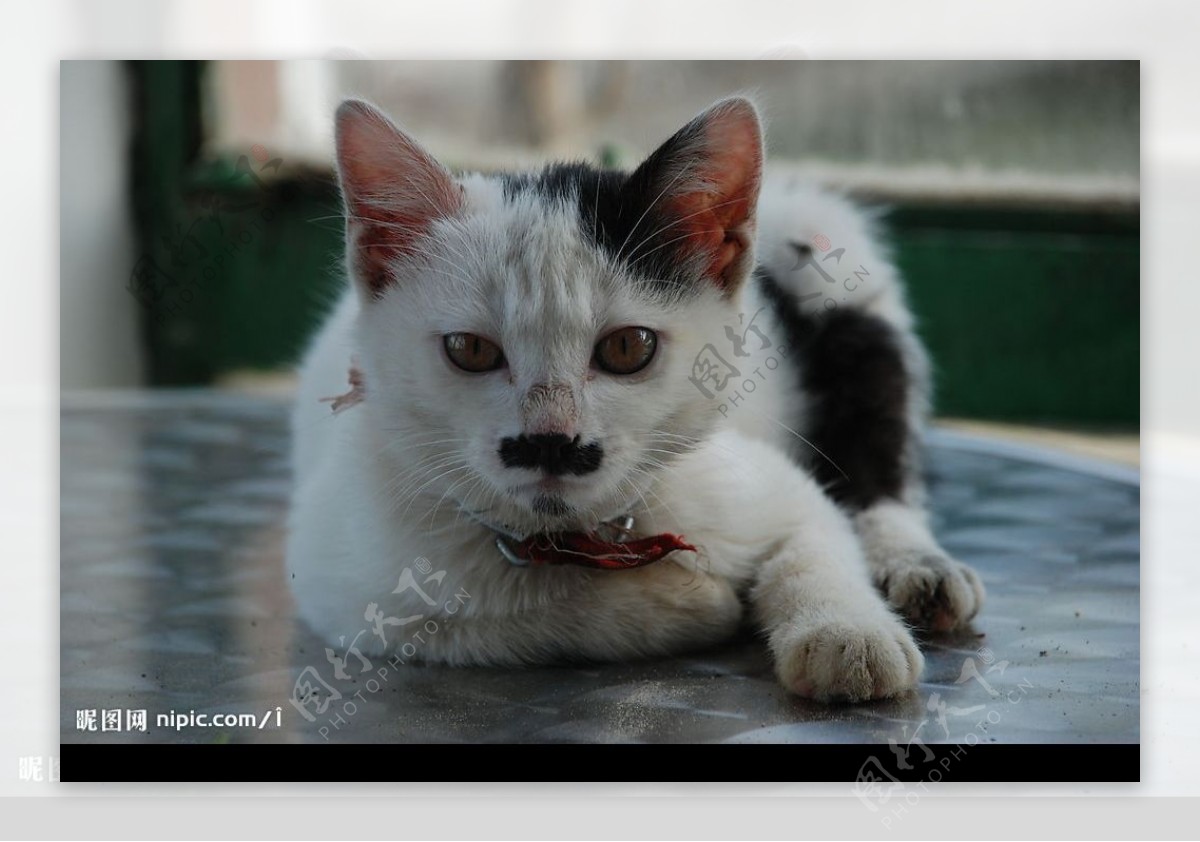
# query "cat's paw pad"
(843, 661)
(931, 591)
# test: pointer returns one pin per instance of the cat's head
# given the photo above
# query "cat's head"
(528, 340)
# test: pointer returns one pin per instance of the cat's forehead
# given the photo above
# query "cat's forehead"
(531, 256)
(559, 251)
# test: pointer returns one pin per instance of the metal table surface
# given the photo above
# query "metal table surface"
(173, 599)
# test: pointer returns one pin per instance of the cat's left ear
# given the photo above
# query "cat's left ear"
(704, 183)
(394, 192)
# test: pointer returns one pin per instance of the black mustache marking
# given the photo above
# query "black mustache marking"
(554, 453)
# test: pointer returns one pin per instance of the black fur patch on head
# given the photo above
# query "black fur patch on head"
(852, 367)
(619, 213)
(559, 182)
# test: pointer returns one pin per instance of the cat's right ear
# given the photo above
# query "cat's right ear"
(394, 190)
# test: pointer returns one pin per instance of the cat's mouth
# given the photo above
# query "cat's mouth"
(505, 526)
(542, 513)
(549, 486)
(547, 499)
(549, 504)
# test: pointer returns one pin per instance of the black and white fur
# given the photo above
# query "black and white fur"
(798, 481)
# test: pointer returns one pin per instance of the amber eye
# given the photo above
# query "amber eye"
(473, 353)
(627, 350)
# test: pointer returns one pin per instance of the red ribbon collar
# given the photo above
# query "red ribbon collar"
(588, 550)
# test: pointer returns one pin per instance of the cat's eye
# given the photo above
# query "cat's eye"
(473, 353)
(626, 351)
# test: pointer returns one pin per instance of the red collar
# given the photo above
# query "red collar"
(589, 550)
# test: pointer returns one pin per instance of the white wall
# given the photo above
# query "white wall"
(99, 329)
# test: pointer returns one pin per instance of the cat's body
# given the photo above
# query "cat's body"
(774, 426)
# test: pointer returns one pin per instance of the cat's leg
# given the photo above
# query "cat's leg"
(931, 589)
(831, 634)
(762, 521)
(596, 615)
(868, 380)
(865, 380)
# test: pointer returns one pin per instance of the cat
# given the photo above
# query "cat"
(723, 357)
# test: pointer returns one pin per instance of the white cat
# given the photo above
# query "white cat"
(539, 356)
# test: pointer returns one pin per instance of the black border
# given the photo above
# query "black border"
(860, 765)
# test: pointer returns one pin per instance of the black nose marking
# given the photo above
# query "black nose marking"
(553, 453)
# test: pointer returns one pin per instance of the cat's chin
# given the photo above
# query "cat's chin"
(519, 525)
(536, 511)
(548, 512)
(552, 505)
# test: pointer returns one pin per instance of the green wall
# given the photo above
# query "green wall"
(1029, 316)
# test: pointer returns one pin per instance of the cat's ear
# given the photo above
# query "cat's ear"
(394, 190)
(704, 184)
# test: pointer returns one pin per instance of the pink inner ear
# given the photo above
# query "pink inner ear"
(394, 190)
(717, 206)
(721, 227)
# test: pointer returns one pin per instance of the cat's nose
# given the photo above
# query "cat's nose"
(550, 408)
(554, 453)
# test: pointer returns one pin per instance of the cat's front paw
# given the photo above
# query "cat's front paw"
(848, 661)
(931, 591)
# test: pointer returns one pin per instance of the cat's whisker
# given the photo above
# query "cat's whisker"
(682, 172)
(446, 493)
(409, 443)
(788, 429)
(427, 253)
(596, 203)
(674, 222)
(735, 464)
(460, 503)
(437, 463)
(416, 494)
(641, 471)
(420, 467)
(637, 470)
(661, 246)
(691, 443)
(465, 262)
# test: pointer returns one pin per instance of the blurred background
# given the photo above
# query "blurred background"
(201, 230)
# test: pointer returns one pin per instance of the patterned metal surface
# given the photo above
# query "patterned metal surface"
(174, 600)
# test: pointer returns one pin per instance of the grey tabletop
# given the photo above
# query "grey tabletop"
(174, 605)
